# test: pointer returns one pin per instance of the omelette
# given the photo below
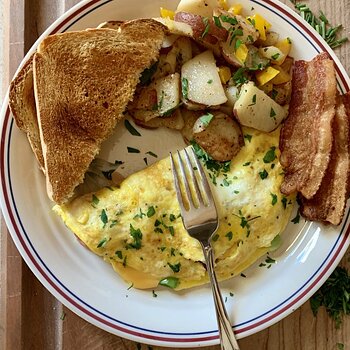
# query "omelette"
(138, 229)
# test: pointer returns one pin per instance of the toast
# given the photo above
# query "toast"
(22, 104)
(82, 84)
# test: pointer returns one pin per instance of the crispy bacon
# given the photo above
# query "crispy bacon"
(306, 136)
(328, 204)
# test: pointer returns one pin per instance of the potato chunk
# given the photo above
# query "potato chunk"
(221, 138)
(257, 110)
(201, 81)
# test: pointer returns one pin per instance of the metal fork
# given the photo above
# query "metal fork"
(200, 219)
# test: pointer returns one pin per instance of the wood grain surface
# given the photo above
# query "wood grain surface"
(31, 318)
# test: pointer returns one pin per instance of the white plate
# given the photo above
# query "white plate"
(89, 287)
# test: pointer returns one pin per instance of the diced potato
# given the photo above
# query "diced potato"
(184, 50)
(232, 94)
(242, 53)
(254, 60)
(273, 53)
(236, 9)
(266, 75)
(165, 13)
(282, 77)
(168, 93)
(281, 93)
(222, 138)
(224, 73)
(198, 7)
(171, 59)
(260, 24)
(178, 28)
(195, 75)
(267, 88)
(287, 64)
(257, 110)
(285, 46)
(169, 40)
(189, 118)
(271, 39)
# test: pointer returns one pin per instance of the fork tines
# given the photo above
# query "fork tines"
(191, 173)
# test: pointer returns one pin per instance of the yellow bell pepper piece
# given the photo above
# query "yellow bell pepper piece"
(282, 77)
(242, 53)
(260, 24)
(223, 4)
(236, 9)
(224, 74)
(285, 46)
(266, 75)
(165, 13)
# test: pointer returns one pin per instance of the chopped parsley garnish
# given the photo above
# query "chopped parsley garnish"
(133, 150)
(238, 44)
(274, 198)
(284, 202)
(172, 251)
(184, 86)
(119, 254)
(253, 101)
(272, 113)
(226, 183)
(209, 81)
(269, 260)
(334, 295)
(245, 222)
(239, 76)
(275, 56)
(243, 275)
(104, 217)
(147, 74)
(103, 242)
(206, 119)
(131, 129)
(263, 174)
(229, 235)
(136, 234)
(215, 237)
(131, 285)
(235, 192)
(152, 154)
(207, 27)
(170, 282)
(172, 217)
(274, 93)
(140, 215)
(270, 155)
(296, 220)
(217, 21)
(154, 294)
(95, 200)
(158, 230)
(171, 230)
(235, 33)
(157, 223)
(145, 160)
(247, 164)
(176, 267)
(212, 165)
(228, 19)
(108, 174)
(151, 211)
(113, 223)
(248, 137)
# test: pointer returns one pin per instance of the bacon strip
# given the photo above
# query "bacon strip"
(306, 136)
(328, 205)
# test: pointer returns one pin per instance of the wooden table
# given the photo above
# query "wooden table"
(31, 318)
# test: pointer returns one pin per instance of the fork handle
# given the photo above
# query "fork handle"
(227, 337)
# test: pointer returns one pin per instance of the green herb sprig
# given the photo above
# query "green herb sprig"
(334, 295)
(321, 24)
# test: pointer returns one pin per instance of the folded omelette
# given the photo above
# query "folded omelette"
(137, 226)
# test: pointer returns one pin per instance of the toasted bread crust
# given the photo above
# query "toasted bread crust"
(22, 104)
(83, 82)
